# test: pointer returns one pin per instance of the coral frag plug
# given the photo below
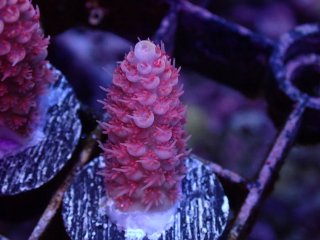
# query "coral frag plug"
(145, 185)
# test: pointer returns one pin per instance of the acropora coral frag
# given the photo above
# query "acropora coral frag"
(146, 144)
(24, 73)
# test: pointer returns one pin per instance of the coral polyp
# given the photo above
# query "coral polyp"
(146, 144)
(24, 75)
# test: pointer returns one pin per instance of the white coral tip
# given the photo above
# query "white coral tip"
(145, 51)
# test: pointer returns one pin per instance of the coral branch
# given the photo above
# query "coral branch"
(147, 142)
(23, 71)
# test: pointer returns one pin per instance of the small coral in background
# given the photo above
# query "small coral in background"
(146, 144)
(24, 74)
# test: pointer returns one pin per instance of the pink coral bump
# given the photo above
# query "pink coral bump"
(146, 144)
(24, 74)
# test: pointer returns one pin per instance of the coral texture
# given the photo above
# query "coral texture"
(146, 144)
(24, 75)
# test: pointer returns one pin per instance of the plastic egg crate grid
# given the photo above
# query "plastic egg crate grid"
(223, 51)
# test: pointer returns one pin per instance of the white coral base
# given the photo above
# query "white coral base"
(11, 143)
(139, 224)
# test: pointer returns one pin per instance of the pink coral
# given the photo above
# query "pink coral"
(146, 144)
(24, 75)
